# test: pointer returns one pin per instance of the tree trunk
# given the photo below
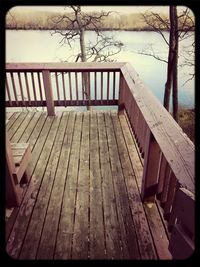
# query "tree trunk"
(168, 84)
(85, 75)
(175, 71)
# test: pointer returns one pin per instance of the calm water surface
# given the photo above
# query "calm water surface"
(40, 46)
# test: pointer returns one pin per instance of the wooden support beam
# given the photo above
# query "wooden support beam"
(121, 95)
(48, 92)
(151, 166)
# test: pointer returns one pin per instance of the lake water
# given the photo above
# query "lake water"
(40, 46)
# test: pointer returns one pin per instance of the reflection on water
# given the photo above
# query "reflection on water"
(40, 46)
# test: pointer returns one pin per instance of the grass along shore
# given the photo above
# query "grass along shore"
(42, 20)
(186, 120)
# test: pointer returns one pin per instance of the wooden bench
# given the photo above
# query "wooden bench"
(17, 159)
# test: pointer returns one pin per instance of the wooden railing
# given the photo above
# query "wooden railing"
(168, 174)
(168, 159)
(61, 84)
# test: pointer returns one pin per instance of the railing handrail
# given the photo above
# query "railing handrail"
(177, 148)
(86, 66)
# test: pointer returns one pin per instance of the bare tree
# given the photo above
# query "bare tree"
(179, 28)
(75, 24)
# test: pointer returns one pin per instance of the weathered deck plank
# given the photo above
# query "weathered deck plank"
(113, 238)
(41, 151)
(145, 241)
(83, 200)
(128, 235)
(81, 224)
(33, 234)
(63, 248)
(97, 228)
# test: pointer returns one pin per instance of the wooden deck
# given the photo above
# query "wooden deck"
(83, 200)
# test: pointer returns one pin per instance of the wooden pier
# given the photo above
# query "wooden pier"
(103, 184)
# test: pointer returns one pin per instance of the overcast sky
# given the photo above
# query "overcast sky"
(121, 9)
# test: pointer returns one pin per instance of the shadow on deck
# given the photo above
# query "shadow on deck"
(83, 200)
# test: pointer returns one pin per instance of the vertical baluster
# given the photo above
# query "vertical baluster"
(166, 185)
(151, 166)
(161, 178)
(122, 95)
(21, 89)
(83, 93)
(34, 90)
(114, 81)
(101, 87)
(108, 83)
(170, 196)
(64, 93)
(95, 86)
(89, 88)
(76, 81)
(40, 88)
(57, 88)
(70, 88)
(8, 91)
(27, 88)
(14, 88)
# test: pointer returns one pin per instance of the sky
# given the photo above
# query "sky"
(120, 9)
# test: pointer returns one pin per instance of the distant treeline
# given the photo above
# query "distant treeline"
(42, 20)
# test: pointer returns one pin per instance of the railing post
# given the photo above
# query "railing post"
(151, 167)
(121, 94)
(48, 92)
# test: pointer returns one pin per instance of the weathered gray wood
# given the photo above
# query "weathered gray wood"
(23, 126)
(18, 232)
(30, 127)
(176, 147)
(16, 124)
(108, 85)
(21, 88)
(70, 86)
(151, 165)
(63, 247)
(33, 86)
(27, 87)
(95, 86)
(121, 95)
(132, 150)
(170, 196)
(158, 231)
(48, 92)
(152, 217)
(8, 91)
(76, 85)
(86, 66)
(113, 248)
(64, 90)
(143, 234)
(67, 102)
(33, 235)
(23, 139)
(57, 86)
(96, 224)
(14, 87)
(166, 185)
(127, 227)
(40, 87)
(81, 223)
(12, 120)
